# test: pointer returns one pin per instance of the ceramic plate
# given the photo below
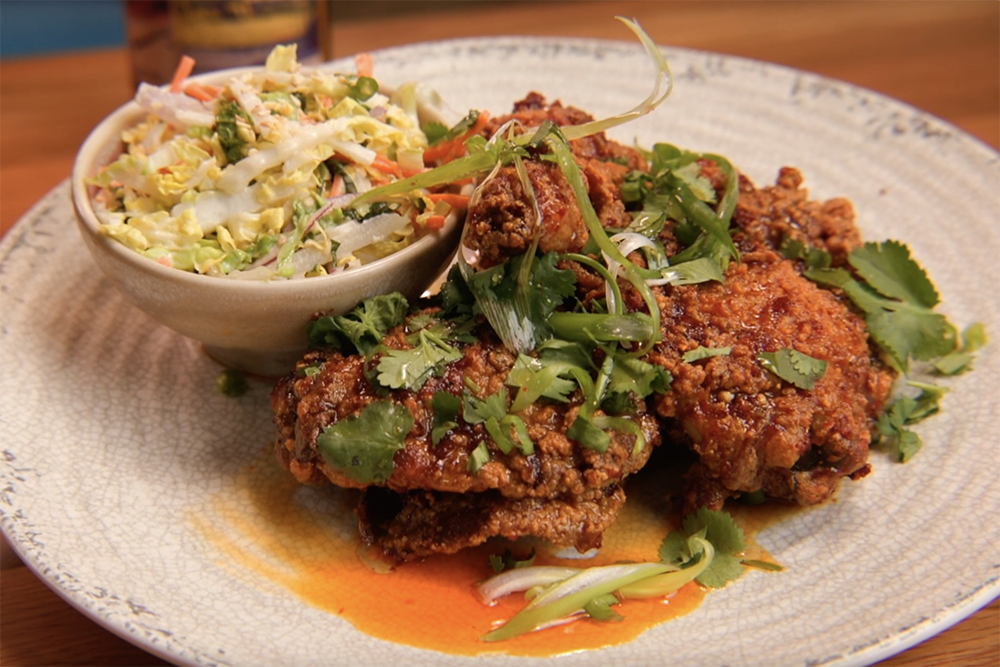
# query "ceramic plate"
(115, 441)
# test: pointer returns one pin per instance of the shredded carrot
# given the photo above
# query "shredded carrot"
(201, 91)
(387, 166)
(183, 71)
(434, 222)
(453, 148)
(337, 187)
(365, 64)
(412, 172)
(451, 199)
(484, 117)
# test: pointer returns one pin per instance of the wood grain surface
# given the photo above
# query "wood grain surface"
(942, 57)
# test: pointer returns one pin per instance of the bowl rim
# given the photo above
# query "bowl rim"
(95, 147)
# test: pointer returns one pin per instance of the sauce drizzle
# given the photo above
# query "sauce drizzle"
(274, 531)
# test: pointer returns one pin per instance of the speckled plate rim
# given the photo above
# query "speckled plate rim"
(849, 113)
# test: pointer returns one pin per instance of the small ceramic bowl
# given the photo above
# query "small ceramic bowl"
(253, 326)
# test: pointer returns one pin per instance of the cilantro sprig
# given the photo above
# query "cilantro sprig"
(507, 561)
(960, 360)
(363, 445)
(363, 328)
(411, 368)
(705, 549)
(701, 352)
(685, 547)
(894, 423)
(793, 366)
(508, 431)
(897, 300)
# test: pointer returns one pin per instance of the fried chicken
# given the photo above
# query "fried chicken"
(514, 494)
(559, 468)
(500, 226)
(750, 430)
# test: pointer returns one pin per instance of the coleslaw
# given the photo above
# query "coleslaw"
(255, 178)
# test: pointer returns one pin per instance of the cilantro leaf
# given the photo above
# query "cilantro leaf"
(702, 188)
(724, 568)
(478, 410)
(362, 446)
(700, 353)
(363, 328)
(675, 186)
(546, 375)
(718, 528)
(446, 408)
(410, 369)
(507, 561)
(890, 270)
(536, 379)
(793, 366)
(959, 361)
(507, 431)
(897, 299)
(814, 258)
(632, 375)
(911, 335)
(479, 457)
(893, 423)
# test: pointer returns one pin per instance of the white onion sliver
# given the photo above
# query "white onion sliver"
(353, 235)
(521, 579)
(570, 553)
(591, 577)
(306, 259)
(627, 242)
(181, 110)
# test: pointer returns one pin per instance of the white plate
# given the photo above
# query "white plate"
(113, 434)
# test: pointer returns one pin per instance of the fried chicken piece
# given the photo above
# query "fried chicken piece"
(751, 430)
(515, 494)
(500, 224)
(533, 110)
(305, 405)
(420, 523)
(772, 214)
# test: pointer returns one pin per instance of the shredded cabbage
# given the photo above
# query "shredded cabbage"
(255, 178)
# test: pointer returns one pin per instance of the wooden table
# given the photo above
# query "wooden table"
(943, 57)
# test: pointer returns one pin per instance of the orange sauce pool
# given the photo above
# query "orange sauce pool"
(304, 539)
